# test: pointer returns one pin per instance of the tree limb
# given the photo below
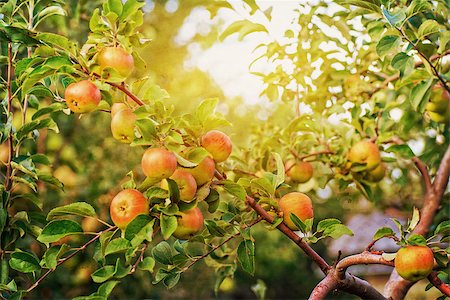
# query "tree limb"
(439, 284)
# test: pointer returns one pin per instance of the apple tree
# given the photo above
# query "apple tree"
(354, 83)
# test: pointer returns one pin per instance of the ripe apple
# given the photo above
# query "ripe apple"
(122, 126)
(299, 171)
(117, 59)
(4, 153)
(126, 205)
(186, 184)
(365, 152)
(190, 222)
(82, 97)
(158, 163)
(414, 262)
(218, 144)
(297, 203)
(116, 107)
(204, 171)
(377, 174)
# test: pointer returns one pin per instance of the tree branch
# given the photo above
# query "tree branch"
(8, 179)
(365, 258)
(323, 288)
(439, 284)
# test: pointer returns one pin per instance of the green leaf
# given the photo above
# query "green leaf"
(299, 223)
(139, 232)
(130, 7)
(206, 109)
(246, 256)
(163, 253)
(235, 189)
(404, 63)
(420, 94)
(387, 44)
(50, 11)
(115, 6)
(106, 288)
(396, 18)
(168, 225)
(383, 232)
(443, 228)
(280, 170)
(213, 200)
(147, 264)
(136, 225)
(103, 274)
(58, 229)
(173, 190)
(414, 220)
(243, 27)
(259, 289)
(24, 262)
(147, 128)
(403, 150)
(324, 224)
(117, 245)
(428, 27)
(78, 208)
(214, 229)
(417, 240)
(336, 231)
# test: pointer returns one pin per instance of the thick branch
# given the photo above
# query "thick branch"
(323, 288)
(439, 284)
(365, 258)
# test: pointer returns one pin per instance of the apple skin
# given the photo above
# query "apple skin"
(186, 184)
(204, 171)
(299, 172)
(116, 107)
(190, 223)
(4, 153)
(218, 144)
(297, 203)
(377, 174)
(117, 59)
(122, 126)
(365, 152)
(158, 163)
(414, 262)
(82, 97)
(126, 205)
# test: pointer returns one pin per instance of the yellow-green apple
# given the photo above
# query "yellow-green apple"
(185, 182)
(414, 262)
(190, 223)
(158, 163)
(117, 59)
(218, 144)
(299, 171)
(83, 273)
(377, 174)
(90, 224)
(126, 205)
(439, 99)
(122, 126)
(82, 96)
(4, 153)
(365, 152)
(116, 107)
(297, 203)
(204, 171)
(66, 175)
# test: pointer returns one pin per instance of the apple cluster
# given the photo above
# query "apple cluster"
(364, 160)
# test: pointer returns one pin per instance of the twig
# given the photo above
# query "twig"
(140, 258)
(8, 180)
(66, 259)
(197, 259)
(302, 157)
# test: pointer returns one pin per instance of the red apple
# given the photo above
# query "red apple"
(299, 171)
(126, 205)
(297, 203)
(204, 171)
(116, 58)
(186, 184)
(190, 223)
(218, 144)
(158, 163)
(414, 262)
(82, 96)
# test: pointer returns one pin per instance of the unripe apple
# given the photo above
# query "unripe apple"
(186, 184)
(126, 205)
(297, 203)
(82, 96)
(377, 174)
(122, 126)
(158, 163)
(90, 224)
(67, 176)
(439, 99)
(218, 144)
(118, 59)
(299, 171)
(4, 153)
(204, 171)
(190, 223)
(365, 152)
(414, 262)
(116, 107)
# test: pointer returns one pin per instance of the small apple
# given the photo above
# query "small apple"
(90, 224)
(297, 203)
(190, 223)
(117, 59)
(186, 184)
(122, 126)
(414, 262)
(299, 171)
(82, 97)
(126, 205)
(116, 107)
(377, 174)
(67, 176)
(365, 152)
(204, 171)
(158, 163)
(83, 273)
(4, 153)
(218, 144)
